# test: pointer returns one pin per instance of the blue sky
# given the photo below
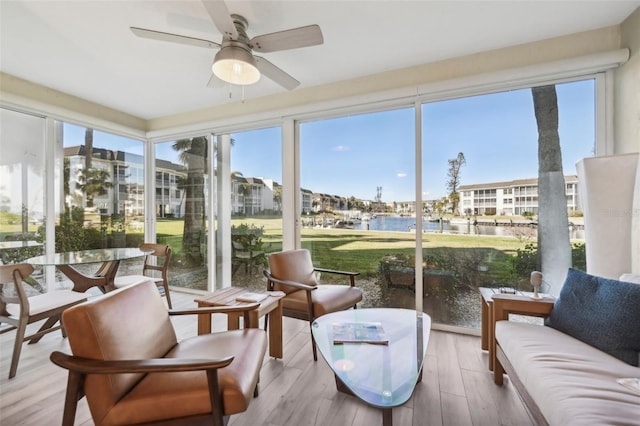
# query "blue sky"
(352, 156)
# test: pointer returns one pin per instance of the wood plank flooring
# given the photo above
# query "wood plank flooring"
(456, 389)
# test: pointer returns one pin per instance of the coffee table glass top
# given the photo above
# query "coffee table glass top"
(87, 256)
(381, 375)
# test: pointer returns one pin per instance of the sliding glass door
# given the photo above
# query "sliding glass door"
(358, 201)
(480, 162)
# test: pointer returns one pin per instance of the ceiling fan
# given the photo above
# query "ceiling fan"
(235, 62)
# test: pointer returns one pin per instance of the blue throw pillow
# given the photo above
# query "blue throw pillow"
(602, 312)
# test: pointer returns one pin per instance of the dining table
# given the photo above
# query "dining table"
(103, 278)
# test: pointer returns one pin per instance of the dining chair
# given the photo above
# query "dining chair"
(293, 273)
(128, 362)
(156, 260)
(242, 254)
(19, 310)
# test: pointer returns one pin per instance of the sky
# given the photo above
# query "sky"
(354, 155)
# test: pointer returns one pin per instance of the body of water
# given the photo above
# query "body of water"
(408, 224)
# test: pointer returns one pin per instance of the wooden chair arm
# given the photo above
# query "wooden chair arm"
(289, 283)
(216, 309)
(156, 365)
(351, 275)
(332, 271)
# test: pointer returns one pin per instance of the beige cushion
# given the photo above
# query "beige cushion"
(126, 280)
(47, 301)
(630, 278)
(572, 382)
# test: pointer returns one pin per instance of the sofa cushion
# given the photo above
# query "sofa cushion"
(602, 312)
(571, 382)
(630, 278)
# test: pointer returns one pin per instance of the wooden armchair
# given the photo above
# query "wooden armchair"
(129, 364)
(157, 251)
(293, 273)
(19, 310)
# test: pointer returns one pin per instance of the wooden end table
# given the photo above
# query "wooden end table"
(520, 303)
(227, 297)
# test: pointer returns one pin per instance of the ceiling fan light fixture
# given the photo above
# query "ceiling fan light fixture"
(235, 65)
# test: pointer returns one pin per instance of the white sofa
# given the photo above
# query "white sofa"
(566, 381)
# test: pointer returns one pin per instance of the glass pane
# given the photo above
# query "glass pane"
(358, 200)
(102, 200)
(103, 183)
(256, 203)
(480, 170)
(21, 186)
(181, 185)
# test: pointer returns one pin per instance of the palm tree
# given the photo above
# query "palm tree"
(554, 247)
(277, 197)
(93, 182)
(193, 154)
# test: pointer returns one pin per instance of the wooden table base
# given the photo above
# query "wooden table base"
(272, 305)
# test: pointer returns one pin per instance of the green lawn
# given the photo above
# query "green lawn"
(352, 250)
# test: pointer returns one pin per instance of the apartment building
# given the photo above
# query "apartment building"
(508, 198)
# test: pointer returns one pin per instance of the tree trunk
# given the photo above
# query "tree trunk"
(88, 157)
(554, 247)
(194, 220)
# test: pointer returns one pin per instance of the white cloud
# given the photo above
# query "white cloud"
(340, 148)
(401, 174)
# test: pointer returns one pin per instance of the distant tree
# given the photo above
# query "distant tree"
(244, 189)
(455, 165)
(94, 182)
(277, 197)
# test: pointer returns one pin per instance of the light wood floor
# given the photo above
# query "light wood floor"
(456, 389)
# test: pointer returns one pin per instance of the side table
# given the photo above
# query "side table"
(227, 297)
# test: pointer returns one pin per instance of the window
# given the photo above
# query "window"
(181, 206)
(22, 184)
(255, 200)
(358, 200)
(497, 134)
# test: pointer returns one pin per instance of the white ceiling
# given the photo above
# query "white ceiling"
(85, 48)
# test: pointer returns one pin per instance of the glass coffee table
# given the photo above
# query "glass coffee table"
(383, 376)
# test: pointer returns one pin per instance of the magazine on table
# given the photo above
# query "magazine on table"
(359, 332)
(251, 297)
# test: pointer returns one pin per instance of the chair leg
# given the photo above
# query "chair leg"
(17, 348)
(166, 294)
(217, 412)
(74, 393)
(313, 344)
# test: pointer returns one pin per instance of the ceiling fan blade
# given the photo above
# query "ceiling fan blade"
(276, 74)
(174, 38)
(294, 38)
(221, 19)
